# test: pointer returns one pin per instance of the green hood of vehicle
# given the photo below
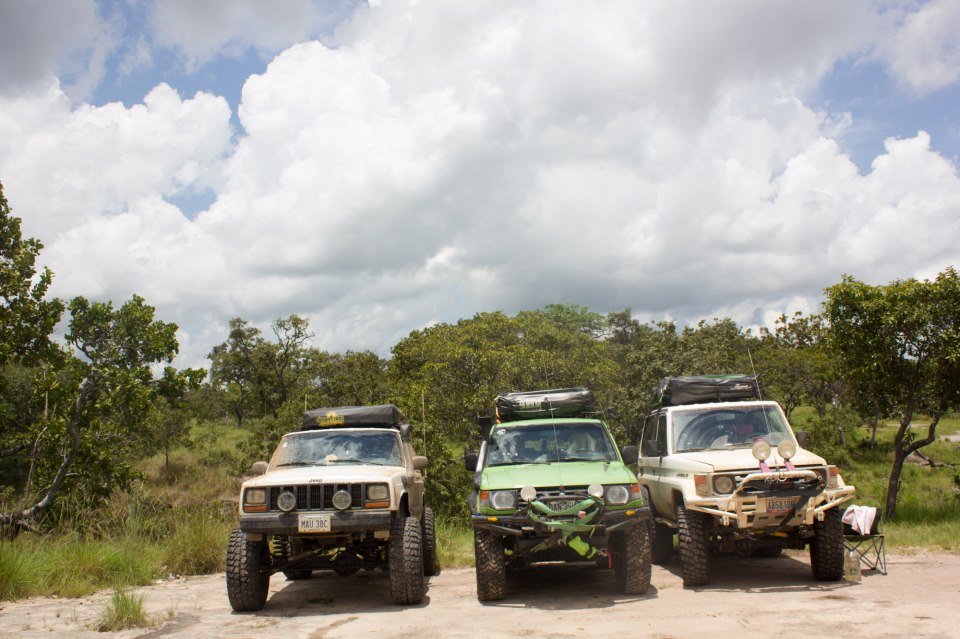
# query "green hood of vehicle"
(555, 474)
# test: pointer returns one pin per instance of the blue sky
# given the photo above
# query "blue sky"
(381, 167)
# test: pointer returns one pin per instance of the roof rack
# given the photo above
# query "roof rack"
(378, 416)
(541, 404)
(703, 389)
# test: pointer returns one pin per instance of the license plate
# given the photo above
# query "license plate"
(562, 504)
(783, 505)
(313, 523)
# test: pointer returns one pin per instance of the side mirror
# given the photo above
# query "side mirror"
(652, 448)
(629, 454)
(802, 438)
(419, 462)
(470, 460)
(259, 468)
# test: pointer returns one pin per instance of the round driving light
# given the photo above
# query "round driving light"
(618, 495)
(787, 450)
(761, 450)
(503, 500)
(341, 500)
(595, 490)
(723, 484)
(286, 501)
(528, 493)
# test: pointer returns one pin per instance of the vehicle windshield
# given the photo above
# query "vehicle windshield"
(726, 428)
(329, 447)
(548, 443)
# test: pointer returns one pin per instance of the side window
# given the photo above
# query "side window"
(662, 432)
(649, 430)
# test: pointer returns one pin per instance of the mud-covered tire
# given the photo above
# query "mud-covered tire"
(431, 562)
(692, 543)
(631, 560)
(491, 567)
(248, 576)
(826, 547)
(661, 551)
(406, 561)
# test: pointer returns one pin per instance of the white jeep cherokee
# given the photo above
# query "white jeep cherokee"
(728, 475)
(344, 493)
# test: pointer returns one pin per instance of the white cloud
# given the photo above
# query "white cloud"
(924, 53)
(440, 159)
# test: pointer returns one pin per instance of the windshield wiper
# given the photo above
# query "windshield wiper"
(353, 460)
(299, 463)
(518, 463)
(584, 459)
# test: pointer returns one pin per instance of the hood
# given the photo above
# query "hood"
(340, 473)
(556, 474)
(743, 459)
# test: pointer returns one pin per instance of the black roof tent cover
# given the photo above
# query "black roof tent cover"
(383, 415)
(559, 402)
(702, 389)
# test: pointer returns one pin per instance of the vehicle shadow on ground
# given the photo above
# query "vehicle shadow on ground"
(326, 593)
(733, 573)
(564, 586)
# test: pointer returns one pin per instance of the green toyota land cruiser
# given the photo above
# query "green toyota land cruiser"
(550, 485)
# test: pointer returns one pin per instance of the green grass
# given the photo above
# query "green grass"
(454, 544)
(124, 611)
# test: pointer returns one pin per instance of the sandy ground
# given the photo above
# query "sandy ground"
(920, 597)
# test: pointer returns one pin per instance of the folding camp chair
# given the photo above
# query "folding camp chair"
(869, 547)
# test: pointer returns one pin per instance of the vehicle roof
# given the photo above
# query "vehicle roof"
(719, 405)
(551, 420)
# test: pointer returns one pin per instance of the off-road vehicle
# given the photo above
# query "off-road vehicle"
(550, 485)
(724, 471)
(344, 493)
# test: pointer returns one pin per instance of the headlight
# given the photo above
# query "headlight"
(286, 501)
(342, 500)
(503, 500)
(761, 451)
(595, 490)
(617, 495)
(787, 449)
(723, 484)
(377, 492)
(255, 496)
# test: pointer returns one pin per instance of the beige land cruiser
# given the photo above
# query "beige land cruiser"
(724, 471)
(344, 493)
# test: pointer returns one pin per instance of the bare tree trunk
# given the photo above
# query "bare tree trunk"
(902, 450)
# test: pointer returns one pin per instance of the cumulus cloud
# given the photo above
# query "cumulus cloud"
(924, 52)
(433, 160)
(201, 31)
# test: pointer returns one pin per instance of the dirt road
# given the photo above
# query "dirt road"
(920, 597)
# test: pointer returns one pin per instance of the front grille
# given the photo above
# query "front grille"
(318, 496)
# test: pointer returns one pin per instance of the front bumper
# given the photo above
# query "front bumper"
(749, 511)
(274, 523)
(521, 525)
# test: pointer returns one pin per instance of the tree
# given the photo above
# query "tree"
(100, 400)
(899, 346)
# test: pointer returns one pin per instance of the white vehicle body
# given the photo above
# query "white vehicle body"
(700, 463)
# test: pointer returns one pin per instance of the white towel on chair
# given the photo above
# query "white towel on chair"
(860, 518)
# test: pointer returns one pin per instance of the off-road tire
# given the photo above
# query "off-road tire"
(282, 550)
(431, 563)
(631, 560)
(661, 551)
(248, 576)
(692, 543)
(826, 547)
(406, 561)
(491, 568)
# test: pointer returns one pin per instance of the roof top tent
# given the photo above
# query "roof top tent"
(544, 404)
(379, 416)
(703, 389)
